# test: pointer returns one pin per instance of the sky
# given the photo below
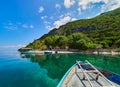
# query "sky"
(23, 21)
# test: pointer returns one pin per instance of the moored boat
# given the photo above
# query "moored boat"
(84, 74)
(48, 52)
(27, 53)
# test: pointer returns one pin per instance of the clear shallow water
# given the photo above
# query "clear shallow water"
(47, 70)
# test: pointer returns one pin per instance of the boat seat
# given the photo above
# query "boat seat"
(108, 86)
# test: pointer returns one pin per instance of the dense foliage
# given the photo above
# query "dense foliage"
(75, 41)
(102, 31)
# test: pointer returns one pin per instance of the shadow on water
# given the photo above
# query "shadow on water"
(58, 64)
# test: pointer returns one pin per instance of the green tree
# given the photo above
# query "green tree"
(48, 41)
(62, 41)
(80, 41)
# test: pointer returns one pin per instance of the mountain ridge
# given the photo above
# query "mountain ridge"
(81, 29)
(103, 29)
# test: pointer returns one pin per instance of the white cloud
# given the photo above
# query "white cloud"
(13, 46)
(17, 26)
(49, 27)
(88, 17)
(61, 16)
(84, 4)
(69, 3)
(107, 6)
(65, 14)
(43, 17)
(58, 6)
(11, 26)
(89, 4)
(73, 19)
(79, 11)
(31, 26)
(46, 22)
(41, 9)
(62, 21)
(68, 14)
(110, 5)
(26, 26)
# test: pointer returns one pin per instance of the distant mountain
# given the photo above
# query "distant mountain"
(103, 29)
(103, 21)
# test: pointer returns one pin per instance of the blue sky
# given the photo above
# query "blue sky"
(23, 21)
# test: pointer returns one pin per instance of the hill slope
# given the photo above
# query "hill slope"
(103, 31)
(100, 22)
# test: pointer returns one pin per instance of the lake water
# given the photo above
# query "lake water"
(47, 70)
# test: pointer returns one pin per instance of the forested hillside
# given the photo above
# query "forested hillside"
(102, 31)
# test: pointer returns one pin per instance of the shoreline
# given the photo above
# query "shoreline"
(38, 52)
(103, 53)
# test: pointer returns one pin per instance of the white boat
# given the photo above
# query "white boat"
(84, 74)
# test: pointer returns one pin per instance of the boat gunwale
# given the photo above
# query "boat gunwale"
(65, 75)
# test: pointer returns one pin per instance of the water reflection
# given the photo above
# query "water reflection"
(58, 64)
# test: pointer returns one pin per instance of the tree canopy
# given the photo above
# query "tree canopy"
(102, 31)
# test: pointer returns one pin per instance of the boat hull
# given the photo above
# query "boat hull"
(73, 77)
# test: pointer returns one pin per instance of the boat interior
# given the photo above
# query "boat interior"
(86, 75)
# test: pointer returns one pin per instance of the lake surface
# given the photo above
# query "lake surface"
(47, 70)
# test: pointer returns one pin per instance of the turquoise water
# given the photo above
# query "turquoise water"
(47, 70)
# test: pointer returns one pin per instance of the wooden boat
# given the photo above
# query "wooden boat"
(84, 74)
